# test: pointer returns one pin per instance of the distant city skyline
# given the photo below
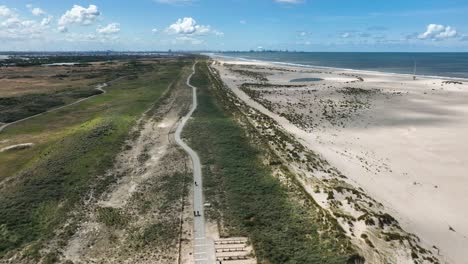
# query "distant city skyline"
(295, 25)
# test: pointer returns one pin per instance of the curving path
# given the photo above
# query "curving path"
(99, 87)
(203, 247)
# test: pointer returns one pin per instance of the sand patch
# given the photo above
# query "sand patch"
(17, 147)
(402, 141)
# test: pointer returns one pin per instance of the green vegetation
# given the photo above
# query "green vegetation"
(19, 107)
(25, 61)
(247, 86)
(163, 195)
(306, 80)
(259, 76)
(358, 91)
(73, 148)
(157, 234)
(367, 240)
(247, 199)
(112, 217)
(389, 236)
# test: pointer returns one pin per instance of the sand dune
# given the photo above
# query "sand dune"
(403, 141)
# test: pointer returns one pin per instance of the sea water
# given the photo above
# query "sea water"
(453, 65)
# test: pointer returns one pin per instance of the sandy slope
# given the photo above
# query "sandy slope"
(150, 157)
(406, 146)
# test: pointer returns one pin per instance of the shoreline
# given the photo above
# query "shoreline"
(380, 148)
(215, 55)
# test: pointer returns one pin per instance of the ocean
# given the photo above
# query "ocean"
(453, 65)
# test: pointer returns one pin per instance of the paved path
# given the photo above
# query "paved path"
(203, 251)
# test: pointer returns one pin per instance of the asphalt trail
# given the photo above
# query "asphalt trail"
(203, 247)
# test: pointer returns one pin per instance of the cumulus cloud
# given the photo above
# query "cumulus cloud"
(186, 25)
(17, 29)
(112, 28)
(78, 15)
(62, 29)
(46, 20)
(438, 32)
(189, 26)
(154, 30)
(6, 12)
(36, 10)
(13, 27)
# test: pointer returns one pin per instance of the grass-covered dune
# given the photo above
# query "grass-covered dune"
(41, 186)
(16, 108)
(247, 199)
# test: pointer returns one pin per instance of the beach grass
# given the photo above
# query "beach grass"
(247, 200)
(73, 148)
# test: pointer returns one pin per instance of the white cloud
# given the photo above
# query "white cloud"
(6, 12)
(218, 33)
(38, 12)
(46, 20)
(187, 40)
(15, 28)
(78, 15)
(11, 22)
(355, 34)
(438, 32)
(346, 35)
(189, 26)
(62, 29)
(112, 28)
(154, 30)
(17, 32)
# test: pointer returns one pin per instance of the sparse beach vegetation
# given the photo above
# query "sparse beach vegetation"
(247, 199)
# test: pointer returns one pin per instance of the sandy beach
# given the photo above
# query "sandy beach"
(403, 141)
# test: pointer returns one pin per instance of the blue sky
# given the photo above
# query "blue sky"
(306, 25)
